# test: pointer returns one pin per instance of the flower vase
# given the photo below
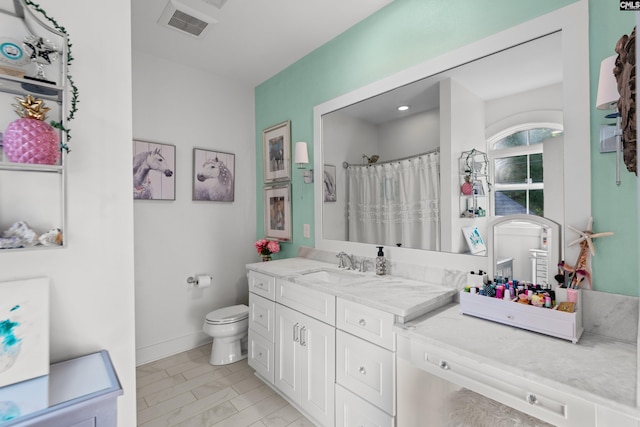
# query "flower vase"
(266, 258)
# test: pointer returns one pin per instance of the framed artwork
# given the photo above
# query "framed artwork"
(154, 166)
(329, 178)
(276, 152)
(475, 242)
(213, 175)
(24, 331)
(277, 212)
(478, 188)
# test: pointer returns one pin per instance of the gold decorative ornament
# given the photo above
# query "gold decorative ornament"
(31, 107)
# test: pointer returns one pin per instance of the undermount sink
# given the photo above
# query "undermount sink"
(331, 276)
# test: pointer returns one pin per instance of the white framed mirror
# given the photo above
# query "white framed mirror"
(526, 247)
(570, 24)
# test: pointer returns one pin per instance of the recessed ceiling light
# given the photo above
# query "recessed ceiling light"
(403, 108)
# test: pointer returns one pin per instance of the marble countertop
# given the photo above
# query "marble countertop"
(597, 369)
(405, 298)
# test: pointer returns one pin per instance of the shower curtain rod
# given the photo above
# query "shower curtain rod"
(347, 164)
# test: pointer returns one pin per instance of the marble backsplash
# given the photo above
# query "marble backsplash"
(610, 315)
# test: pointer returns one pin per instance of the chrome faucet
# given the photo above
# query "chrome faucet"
(363, 265)
(345, 261)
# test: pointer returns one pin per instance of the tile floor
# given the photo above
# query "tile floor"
(184, 390)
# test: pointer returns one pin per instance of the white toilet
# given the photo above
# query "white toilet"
(228, 326)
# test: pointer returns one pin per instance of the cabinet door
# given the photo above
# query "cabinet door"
(317, 340)
(287, 349)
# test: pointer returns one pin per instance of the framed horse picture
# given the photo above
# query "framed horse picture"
(213, 175)
(154, 166)
(276, 152)
(277, 212)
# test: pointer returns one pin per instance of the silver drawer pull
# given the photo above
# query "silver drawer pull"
(295, 333)
(362, 322)
(510, 317)
(259, 354)
(303, 336)
(444, 365)
(362, 370)
(532, 399)
(260, 316)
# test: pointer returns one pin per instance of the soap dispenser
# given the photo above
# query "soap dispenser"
(381, 262)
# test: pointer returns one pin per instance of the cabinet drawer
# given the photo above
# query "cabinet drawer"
(261, 316)
(261, 356)
(366, 370)
(365, 322)
(548, 404)
(609, 417)
(262, 284)
(318, 305)
(353, 411)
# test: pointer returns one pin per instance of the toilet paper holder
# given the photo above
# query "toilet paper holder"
(194, 280)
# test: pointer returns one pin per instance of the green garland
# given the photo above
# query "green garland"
(74, 88)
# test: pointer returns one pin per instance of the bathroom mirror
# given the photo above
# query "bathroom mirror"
(524, 247)
(442, 86)
(370, 208)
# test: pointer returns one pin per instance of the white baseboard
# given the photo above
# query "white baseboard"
(164, 349)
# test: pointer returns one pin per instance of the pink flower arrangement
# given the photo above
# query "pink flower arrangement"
(267, 247)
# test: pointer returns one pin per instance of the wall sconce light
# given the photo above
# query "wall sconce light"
(302, 160)
(607, 99)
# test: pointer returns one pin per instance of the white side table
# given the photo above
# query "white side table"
(80, 392)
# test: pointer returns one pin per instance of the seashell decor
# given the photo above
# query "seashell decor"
(52, 237)
(21, 236)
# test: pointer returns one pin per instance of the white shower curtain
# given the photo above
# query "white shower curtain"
(396, 203)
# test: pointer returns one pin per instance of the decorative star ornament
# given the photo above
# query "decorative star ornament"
(588, 235)
(42, 51)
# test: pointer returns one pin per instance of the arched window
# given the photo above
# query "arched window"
(516, 156)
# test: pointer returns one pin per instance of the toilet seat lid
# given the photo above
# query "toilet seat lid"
(231, 314)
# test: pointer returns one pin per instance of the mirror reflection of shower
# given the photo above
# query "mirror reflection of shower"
(370, 160)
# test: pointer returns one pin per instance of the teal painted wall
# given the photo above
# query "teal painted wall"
(615, 266)
(409, 32)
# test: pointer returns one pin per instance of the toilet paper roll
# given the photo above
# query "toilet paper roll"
(203, 281)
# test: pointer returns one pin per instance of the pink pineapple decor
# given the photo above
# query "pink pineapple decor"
(467, 186)
(30, 139)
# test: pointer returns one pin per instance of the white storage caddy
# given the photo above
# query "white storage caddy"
(546, 321)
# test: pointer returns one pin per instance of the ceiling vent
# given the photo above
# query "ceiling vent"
(186, 19)
(216, 3)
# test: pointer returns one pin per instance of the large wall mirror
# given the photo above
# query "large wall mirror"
(522, 94)
(397, 200)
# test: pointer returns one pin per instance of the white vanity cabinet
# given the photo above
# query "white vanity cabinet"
(292, 343)
(365, 366)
